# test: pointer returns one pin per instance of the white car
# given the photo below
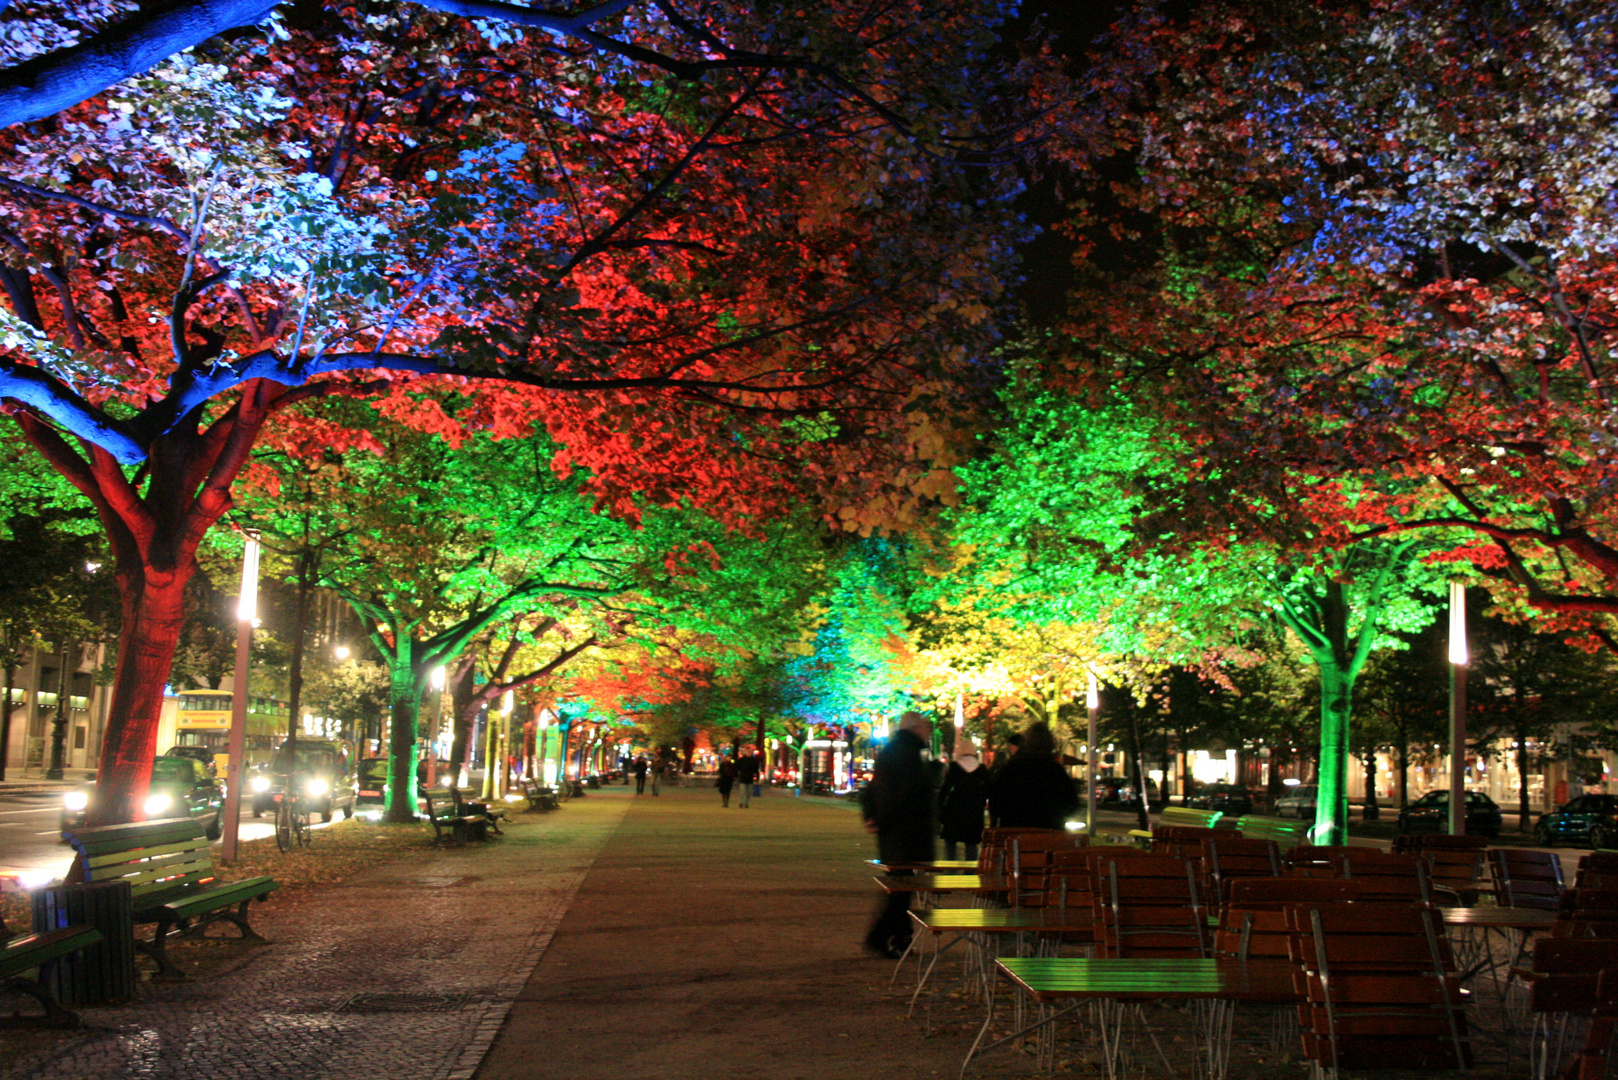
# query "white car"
(1298, 802)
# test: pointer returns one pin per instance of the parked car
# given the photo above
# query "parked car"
(180, 787)
(197, 753)
(1232, 800)
(323, 767)
(1119, 791)
(1299, 801)
(1430, 814)
(371, 785)
(1588, 819)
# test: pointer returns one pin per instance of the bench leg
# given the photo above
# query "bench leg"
(56, 1015)
(157, 948)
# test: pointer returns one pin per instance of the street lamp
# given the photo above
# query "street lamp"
(1092, 705)
(1457, 708)
(246, 617)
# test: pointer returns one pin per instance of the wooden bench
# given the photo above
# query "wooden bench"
(21, 954)
(494, 815)
(540, 796)
(1286, 834)
(444, 812)
(171, 876)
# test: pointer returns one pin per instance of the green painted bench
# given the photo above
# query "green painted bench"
(20, 955)
(171, 875)
(1285, 833)
(1182, 815)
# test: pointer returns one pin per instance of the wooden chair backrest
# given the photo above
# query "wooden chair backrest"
(1385, 877)
(1381, 989)
(1151, 907)
(1279, 892)
(1226, 859)
(1311, 860)
(1526, 878)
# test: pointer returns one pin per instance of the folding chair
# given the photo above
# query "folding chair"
(1226, 858)
(1384, 877)
(1381, 990)
(1526, 878)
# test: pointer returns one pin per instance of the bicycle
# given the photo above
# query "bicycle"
(291, 819)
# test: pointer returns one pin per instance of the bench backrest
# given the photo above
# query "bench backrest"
(1203, 819)
(441, 796)
(1286, 834)
(153, 856)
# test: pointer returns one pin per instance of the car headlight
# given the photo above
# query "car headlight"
(76, 800)
(316, 787)
(158, 804)
(261, 783)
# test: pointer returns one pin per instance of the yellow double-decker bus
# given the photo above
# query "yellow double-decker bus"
(203, 719)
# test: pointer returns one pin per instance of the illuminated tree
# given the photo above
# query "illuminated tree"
(1374, 245)
(718, 289)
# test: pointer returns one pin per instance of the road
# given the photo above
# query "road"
(31, 848)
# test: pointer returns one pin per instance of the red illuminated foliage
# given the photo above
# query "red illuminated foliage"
(720, 288)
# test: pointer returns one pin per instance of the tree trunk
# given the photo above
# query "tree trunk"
(5, 720)
(1331, 809)
(153, 610)
(404, 711)
(1524, 812)
(464, 705)
(300, 632)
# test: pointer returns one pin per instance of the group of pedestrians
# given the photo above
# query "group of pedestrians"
(743, 770)
(907, 807)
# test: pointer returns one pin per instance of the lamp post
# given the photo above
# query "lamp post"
(1092, 707)
(1457, 708)
(246, 616)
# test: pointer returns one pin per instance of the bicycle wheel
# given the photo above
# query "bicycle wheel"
(283, 825)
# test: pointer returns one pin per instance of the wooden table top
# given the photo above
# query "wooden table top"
(1506, 918)
(1059, 978)
(1005, 920)
(937, 866)
(944, 883)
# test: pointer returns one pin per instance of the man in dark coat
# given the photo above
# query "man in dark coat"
(1033, 791)
(898, 806)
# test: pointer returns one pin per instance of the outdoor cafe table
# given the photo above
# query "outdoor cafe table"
(1471, 930)
(1061, 984)
(980, 928)
(936, 866)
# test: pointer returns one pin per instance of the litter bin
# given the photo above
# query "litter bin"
(104, 971)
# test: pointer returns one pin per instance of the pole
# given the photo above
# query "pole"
(1092, 704)
(246, 615)
(1457, 708)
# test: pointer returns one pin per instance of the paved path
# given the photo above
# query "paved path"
(403, 974)
(622, 936)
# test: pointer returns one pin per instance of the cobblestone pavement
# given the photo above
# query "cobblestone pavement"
(406, 972)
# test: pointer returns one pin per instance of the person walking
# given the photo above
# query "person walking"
(640, 774)
(727, 779)
(746, 776)
(1033, 791)
(657, 774)
(898, 807)
(961, 799)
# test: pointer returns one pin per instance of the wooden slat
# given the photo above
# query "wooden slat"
(223, 896)
(31, 950)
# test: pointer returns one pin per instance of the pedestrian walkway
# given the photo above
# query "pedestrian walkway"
(405, 972)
